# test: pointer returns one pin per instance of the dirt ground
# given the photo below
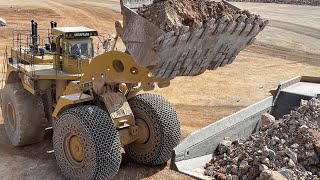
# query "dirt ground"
(288, 47)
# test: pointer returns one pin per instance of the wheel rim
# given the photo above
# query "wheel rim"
(144, 131)
(145, 140)
(11, 116)
(74, 149)
(100, 141)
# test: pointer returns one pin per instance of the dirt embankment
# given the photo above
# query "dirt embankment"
(171, 14)
(297, 2)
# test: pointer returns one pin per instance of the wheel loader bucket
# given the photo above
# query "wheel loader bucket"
(192, 154)
(186, 53)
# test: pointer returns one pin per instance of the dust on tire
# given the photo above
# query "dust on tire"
(28, 112)
(101, 141)
(166, 129)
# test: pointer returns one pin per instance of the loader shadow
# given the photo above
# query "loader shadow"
(34, 162)
(37, 151)
(132, 170)
(28, 162)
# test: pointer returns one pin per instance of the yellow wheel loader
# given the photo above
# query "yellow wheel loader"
(91, 97)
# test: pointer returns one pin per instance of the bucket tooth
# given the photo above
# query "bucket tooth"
(187, 51)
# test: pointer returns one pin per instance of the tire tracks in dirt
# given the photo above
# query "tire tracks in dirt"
(85, 14)
(285, 52)
(305, 30)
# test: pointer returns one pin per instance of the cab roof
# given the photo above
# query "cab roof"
(74, 32)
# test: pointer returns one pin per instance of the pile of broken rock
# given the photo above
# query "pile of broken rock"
(189, 15)
(288, 148)
(2, 22)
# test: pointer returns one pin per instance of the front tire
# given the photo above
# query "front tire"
(23, 114)
(160, 120)
(86, 144)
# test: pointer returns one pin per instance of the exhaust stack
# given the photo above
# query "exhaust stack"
(34, 36)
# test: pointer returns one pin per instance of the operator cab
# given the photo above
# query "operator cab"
(75, 47)
(80, 49)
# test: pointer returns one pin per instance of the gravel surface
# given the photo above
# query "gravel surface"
(288, 148)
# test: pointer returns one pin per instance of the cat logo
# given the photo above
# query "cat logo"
(86, 34)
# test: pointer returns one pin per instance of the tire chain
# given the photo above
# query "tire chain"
(166, 125)
(100, 138)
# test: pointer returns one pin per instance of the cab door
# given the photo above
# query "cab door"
(78, 53)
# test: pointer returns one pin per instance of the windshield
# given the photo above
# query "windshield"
(80, 49)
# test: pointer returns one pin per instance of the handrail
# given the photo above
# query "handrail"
(4, 69)
(22, 44)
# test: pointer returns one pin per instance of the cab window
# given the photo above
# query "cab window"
(80, 49)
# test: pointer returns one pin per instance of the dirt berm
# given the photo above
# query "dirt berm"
(170, 14)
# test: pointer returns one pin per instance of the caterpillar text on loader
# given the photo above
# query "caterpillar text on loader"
(90, 97)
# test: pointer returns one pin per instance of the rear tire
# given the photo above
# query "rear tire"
(163, 125)
(23, 114)
(86, 144)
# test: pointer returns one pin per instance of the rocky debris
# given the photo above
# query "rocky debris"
(224, 146)
(3, 22)
(267, 120)
(317, 148)
(291, 154)
(244, 167)
(271, 175)
(188, 15)
(276, 176)
(297, 2)
(288, 148)
(287, 173)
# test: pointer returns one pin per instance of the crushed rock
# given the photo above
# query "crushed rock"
(297, 2)
(3, 22)
(288, 148)
(173, 15)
